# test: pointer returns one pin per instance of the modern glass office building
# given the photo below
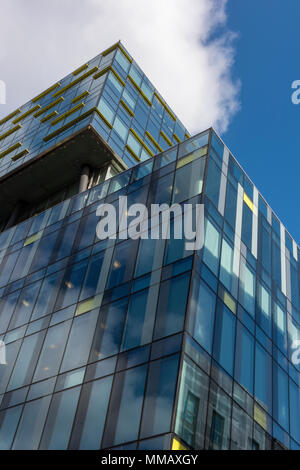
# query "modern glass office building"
(141, 343)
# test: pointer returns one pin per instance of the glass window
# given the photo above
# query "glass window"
(159, 398)
(218, 420)
(31, 424)
(263, 378)
(192, 404)
(122, 263)
(91, 281)
(87, 231)
(213, 178)
(79, 341)
(139, 322)
(52, 352)
(44, 252)
(25, 305)
(121, 128)
(122, 60)
(202, 314)
(247, 226)
(47, 295)
(8, 424)
(11, 351)
(247, 288)
(231, 202)
(279, 327)
(125, 408)
(211, 251)
(71, 285)
(106, 110)
(227, 275)
(109, 330)
(7, 307)
(263, 309)
(224, 337)
(60, 419)
(280, 396)
(171, 306)
(26, 362)
(294, 411)
(149, 256)
(189, 180)
(66, 240)
(241, 431)
(244, 358)
(90, 420)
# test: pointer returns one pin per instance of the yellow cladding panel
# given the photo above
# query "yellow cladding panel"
(10, 116)
(166, 138)
(260, 416)
(127, 108)
(49, 116)
(80, 97)
(24, 115)
(141, 141)
(229, 302)
(69, 124)
(165, 106)
(176, 445)
(75, 82)
(153, 141)
(115, 46)
(80, 69)
(67, 113)
(44, 93)
(132, 152)
(49, 106)
(33, 238)
(10, 149)
(176, 138)
(139, 90)
(249, 203)
(20, 155)
(11, 131)
(88, 305)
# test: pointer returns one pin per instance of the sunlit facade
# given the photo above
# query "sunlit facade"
(143, 344)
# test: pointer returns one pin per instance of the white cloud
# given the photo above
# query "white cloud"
(177, 43)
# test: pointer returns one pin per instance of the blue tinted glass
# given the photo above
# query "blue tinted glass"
(224, 338)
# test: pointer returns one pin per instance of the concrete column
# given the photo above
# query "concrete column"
(84, 178)
(14, 215)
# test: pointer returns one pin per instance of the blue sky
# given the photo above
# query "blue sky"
(265, 134)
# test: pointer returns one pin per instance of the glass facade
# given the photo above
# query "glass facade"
(193, 349)
(141, 343)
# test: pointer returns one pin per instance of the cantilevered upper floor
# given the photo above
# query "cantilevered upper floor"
(105, 111)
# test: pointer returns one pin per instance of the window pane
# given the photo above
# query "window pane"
(89, 424)
(8, 424)
(224, 337)
(125, 407)
(189, 180)
(211, 247)
(171, 306)
(109, 330)
(52, 351)
(80, 340)
(244, 358)
(160, 394)
(60, 419)
(31, 424)
(192, 404)
(139, 323)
